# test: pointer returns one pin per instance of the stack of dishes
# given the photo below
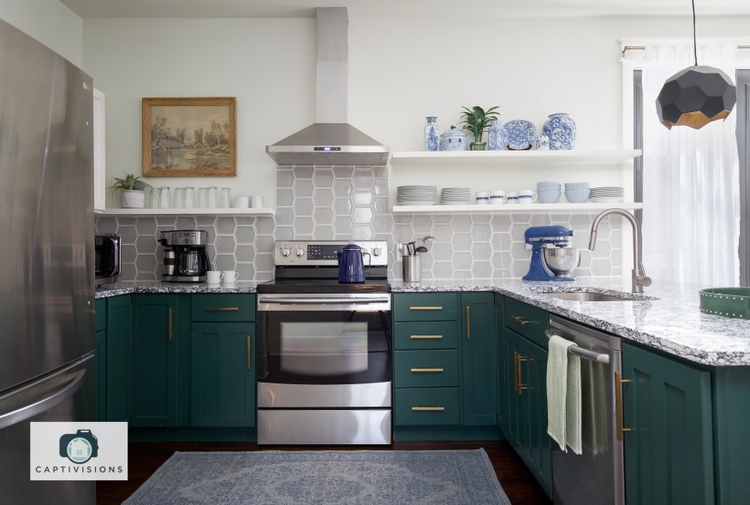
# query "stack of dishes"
(416, 195)
(455, 196)
(607, 194)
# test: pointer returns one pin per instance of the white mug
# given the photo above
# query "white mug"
(257, 201)
(498, 196)
(213, 277)
(512, 197)
(526, 196)
(241, 202)
(229, 276)
(483, 197)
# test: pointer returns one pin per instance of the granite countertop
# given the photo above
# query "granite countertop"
(665, 317)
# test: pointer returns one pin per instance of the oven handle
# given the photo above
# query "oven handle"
(583, 353)
(322, 301)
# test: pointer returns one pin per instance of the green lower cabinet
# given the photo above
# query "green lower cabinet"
(667, 406)
(478, 342)
(426, 406)
(118, 342)
(223, 384)
(502, 377)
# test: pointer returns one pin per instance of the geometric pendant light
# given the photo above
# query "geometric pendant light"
(696, 95)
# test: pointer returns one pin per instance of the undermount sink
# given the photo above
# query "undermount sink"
(592, 296)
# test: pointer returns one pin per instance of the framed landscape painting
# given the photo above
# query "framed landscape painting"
(189, 137)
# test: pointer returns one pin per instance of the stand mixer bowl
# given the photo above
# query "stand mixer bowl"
(561, 260)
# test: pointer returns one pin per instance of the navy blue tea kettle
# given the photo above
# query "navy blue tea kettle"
(351, 265)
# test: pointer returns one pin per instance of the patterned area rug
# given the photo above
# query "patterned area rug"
(324, 477)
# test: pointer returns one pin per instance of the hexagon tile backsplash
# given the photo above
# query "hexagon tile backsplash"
(340, 203)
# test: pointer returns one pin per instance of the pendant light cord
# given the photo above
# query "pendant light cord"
(695, 43)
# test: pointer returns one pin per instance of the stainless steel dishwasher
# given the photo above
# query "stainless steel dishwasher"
(595, 477)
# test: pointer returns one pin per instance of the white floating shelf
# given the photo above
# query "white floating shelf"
(260, 212)
(514, 158)
(567, 208)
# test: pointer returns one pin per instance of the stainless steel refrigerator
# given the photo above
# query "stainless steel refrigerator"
(46, 259)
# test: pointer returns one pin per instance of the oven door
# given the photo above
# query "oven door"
(323, 339)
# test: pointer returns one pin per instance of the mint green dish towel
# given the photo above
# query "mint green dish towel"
(564, 395)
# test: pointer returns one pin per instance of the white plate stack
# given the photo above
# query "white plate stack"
(416, 195)
(607, 194)
(455, 196)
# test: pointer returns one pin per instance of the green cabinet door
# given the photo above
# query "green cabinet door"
(118, 358)
(502, 364)
(156, 339)
(478, 384)
(669, 451)
(101, 375)
(222, 374)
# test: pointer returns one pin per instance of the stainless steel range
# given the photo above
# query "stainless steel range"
(324, 348)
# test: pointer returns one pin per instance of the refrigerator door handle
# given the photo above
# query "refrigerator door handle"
(11, 414)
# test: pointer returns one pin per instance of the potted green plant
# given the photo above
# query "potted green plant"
(132, 187)
(476, 120)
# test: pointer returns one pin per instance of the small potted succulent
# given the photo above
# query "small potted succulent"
(132, 187)
(476, 120)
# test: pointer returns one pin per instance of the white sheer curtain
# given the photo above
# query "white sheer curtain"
(691, 196)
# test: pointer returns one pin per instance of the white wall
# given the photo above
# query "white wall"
(50, 22)
(401, 70)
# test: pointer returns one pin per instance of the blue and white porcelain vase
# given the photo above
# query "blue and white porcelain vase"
(454, 140)
(561, 131)
(431, 134)
(497, 138)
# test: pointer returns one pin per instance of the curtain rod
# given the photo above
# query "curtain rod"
(643, 48)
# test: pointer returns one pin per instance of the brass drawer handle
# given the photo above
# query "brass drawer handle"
(519, 387)
(426, 307)
(211, 309)
(520, 320)
(427, 409)
(426, 337)
(170, 323)
(427, 370)
(249, 352)
(618, 405)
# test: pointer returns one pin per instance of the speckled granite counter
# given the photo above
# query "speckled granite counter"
(125, 288)
(671, 322)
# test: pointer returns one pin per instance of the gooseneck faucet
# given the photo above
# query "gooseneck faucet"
(640, 279)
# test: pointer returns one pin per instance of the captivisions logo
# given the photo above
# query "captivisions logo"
(79, 447)
(79, 451)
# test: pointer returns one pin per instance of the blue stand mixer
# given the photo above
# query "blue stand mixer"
(552, 256)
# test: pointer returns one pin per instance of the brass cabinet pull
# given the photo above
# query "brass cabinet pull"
(468, 323)
(170, 323)
(249, 352)
(427, 409)
(618, 405)
(425, 337)
(211, 309)
(426, 307)
(427, 370)
(515, 371)
(520, 387)
(520, 320)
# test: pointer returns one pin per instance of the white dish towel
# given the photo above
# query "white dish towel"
(564, 395)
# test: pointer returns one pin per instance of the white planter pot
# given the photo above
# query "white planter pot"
(132, 199)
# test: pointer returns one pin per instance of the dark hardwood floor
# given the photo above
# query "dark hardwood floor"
(145, 457)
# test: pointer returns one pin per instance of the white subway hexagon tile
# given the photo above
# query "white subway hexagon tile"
(146, 225)
(245, 235)
(363, 177)
(343, 206)
(481, 232)
(263, 245)
(129, 253)
(461, 260)
(519, 268)
(462, 242)
(146, 263)
(145, 244)
(224, 262)
(303, 207)
(302, 188)
(502, 260)
(105, 224)
(362, 196)
(481, 251)
(422, 225)
(601, 267)
(284, 197)
(264, 262)
(324, 232)
(303, 172)
(323, 216)
(461, 223)
(442, 270)
(225, 225)
(323, 178)
(501, 241)
(342, 188)
(166, 221)
(264, 225)
(481, 269)
(205, 221)
(284, 177)
(362, 215)
(362, 232)
(185, 223)
(441, 251)
(323, 197)
(500, 222)
(246, 271)
(383, 225)
(225, 244)
(244, 253)
(442, 232)
(128, 271)
(303, 227)
(519, 252)
(284, 233)
(284, 216)
(343, 172)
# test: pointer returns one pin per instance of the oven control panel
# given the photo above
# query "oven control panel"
(324, 252)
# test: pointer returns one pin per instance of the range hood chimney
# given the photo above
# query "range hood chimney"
(331, 140)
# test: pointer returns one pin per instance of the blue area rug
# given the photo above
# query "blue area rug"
(324, 477)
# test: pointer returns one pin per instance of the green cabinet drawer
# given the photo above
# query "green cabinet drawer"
(426, 335)
(100, 318)
(223, 307)
(527, 320)
(437, 368)
(426, 406)
(425, 307)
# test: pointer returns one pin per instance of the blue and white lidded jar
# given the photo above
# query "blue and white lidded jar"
(431, 134)
(498, 138)
(454, 140)
(561, 130)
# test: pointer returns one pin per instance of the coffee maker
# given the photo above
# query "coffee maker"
(185, 258)
(552, 255)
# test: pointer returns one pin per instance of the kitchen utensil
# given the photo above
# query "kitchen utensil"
(351, 265)
(561, 255)
(421, 250)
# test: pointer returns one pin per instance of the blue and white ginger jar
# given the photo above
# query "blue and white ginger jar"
(561, 130)
(497, 138)
(454, 140)
(431, 134)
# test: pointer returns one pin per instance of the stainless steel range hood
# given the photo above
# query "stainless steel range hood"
(331, 140)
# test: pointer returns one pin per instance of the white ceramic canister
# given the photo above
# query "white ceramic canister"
(454, 140)
(241, 202)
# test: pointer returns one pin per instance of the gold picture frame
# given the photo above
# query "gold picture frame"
(189, 137)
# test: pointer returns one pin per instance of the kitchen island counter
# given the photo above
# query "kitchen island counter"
(666, 317)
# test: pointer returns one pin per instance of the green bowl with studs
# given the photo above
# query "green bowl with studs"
(727, 302)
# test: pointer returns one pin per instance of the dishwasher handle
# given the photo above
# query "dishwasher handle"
(583, 353)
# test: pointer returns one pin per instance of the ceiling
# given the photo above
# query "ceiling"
(398, 8)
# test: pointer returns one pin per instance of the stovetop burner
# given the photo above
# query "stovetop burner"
(322, 286)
